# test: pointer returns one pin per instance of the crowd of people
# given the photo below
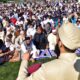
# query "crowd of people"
(33, 28)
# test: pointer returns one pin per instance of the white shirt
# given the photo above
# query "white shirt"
(2, 35)
(24, 47)
(46, 21)
(31, 32)
(52, 39)
(65, 20)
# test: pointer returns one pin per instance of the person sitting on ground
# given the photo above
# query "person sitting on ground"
(5, 53)
(18, 41)
(26, 46)
(52, 39)
(40, 39)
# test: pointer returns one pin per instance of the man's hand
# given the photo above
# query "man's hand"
(26, 56)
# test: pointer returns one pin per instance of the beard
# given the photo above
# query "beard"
(57, 50)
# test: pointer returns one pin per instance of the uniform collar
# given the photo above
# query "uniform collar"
(68, 56)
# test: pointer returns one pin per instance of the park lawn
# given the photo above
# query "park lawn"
(9, 71)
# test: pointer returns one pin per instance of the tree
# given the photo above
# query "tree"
(3, 1)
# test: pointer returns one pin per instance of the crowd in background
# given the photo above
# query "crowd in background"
(32, 27)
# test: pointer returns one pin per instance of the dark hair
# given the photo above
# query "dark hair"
(49, 24)
(1, 42)
(57, 50)
(78, 20)
(9, 35)
(69, 50)
(27, 38)
(40, 27)
(22, 19)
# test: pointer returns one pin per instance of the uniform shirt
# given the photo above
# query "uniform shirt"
(67, 67)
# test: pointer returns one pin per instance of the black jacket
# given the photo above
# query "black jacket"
(40, 41)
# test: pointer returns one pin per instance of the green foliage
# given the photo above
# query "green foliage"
(5, 1)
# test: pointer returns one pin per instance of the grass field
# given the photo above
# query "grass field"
(9, 71)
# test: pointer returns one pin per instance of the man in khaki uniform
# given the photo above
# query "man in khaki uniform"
(66, 67)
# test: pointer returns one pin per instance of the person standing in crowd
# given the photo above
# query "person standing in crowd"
(66, 67)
